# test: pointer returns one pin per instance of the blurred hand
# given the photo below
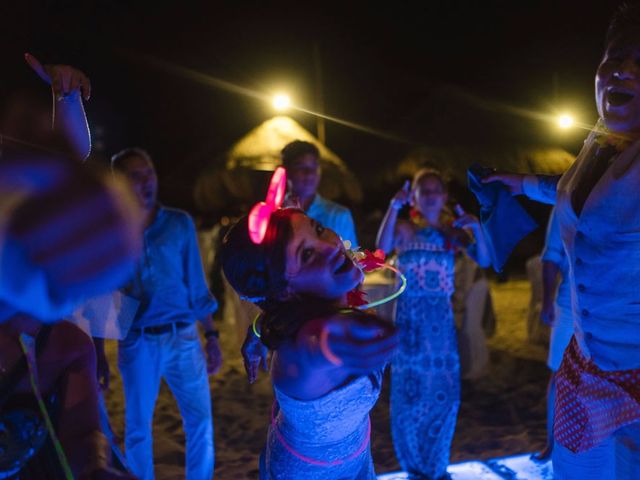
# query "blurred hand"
(402, 197)
(360, 344)
(213, 355)
(77, 228)
(64, 79)
(466, 220)
(102, 369)
(547, 313)
(254, 354)
(513, 181)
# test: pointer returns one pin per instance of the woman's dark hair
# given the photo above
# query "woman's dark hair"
(625, 20)
(257, 272)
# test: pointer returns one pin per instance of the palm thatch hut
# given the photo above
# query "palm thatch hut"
(247, 166)
(454, 162)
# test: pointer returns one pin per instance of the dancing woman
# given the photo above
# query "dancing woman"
(425, 389)
(327, 359)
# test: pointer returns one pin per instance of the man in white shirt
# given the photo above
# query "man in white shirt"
(597, 420)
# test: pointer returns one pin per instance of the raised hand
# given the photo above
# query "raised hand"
(465, 220)
(360, 344)
(64, 79)
(76, 233)
(403, 197)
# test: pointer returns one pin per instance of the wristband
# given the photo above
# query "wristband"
(326, 351)
(253, 326)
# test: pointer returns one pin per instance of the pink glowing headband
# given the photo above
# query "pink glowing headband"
(261, 212)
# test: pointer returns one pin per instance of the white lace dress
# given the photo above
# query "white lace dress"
(322, 439)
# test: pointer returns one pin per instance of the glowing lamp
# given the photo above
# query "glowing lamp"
(281, 101)
(565, 121)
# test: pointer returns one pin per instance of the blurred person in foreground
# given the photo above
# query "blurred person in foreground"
(55, 253)
(597, 408)
(163, 341)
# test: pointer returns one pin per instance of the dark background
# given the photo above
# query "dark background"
(438, 72)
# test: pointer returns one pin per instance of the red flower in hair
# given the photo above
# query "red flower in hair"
(356, 297)
(372, 261)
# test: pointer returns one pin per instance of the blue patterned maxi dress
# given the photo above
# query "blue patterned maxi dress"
(425, 381)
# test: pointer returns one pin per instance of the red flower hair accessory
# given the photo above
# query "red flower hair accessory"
(369, 262)
(261, 212)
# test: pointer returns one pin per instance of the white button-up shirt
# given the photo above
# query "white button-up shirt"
(554, 252)
(603, 249)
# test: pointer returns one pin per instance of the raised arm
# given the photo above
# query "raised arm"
(541, 188)
(69, 87)
(479, 250)
(386, 240)
(328, 351)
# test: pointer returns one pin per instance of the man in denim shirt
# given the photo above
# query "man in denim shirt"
(163, 341)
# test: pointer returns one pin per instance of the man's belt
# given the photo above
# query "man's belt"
(160, 329)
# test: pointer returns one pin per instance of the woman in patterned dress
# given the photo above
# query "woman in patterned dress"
(425, 387)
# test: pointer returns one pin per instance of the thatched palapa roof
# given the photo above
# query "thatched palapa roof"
(249, 162)
(455, 161)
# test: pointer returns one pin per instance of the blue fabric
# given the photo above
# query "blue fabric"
(334, 216)
(425, 372)
(169, 279)
(329, 429)
(503, 220)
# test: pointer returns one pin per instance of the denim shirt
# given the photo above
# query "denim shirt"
(169, 279)
(603, 251)
(334, 216)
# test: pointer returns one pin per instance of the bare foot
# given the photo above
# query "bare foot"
(543, 455)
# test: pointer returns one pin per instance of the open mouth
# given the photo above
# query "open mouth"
(618, 98)
(345, 266)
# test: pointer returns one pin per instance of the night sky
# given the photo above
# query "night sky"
(437, 73)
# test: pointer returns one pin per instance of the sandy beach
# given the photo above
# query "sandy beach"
(502, 413)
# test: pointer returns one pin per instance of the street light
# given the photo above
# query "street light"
(565, 121)
(281, 101)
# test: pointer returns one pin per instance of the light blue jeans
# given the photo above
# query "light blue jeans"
(617, 458)
(177, 356)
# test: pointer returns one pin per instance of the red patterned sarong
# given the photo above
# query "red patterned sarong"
(591, 403)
